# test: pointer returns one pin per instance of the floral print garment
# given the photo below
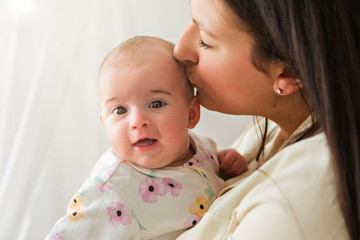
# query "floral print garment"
(124, 201)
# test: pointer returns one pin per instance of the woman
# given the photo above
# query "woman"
(295, 63)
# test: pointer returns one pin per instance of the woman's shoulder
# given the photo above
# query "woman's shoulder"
(295, 190)
(311, 154)
(301, 181)
(302, 167)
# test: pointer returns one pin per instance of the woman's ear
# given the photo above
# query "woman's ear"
(285, 82)
(194, 113)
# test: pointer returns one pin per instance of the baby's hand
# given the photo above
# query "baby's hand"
(232, 163)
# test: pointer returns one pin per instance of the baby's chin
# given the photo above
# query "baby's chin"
(144, 162)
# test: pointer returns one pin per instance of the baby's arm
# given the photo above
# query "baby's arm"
(232, 163)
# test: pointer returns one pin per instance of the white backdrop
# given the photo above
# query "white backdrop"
(50, 132)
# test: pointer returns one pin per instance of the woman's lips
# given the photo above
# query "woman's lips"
(146, 144)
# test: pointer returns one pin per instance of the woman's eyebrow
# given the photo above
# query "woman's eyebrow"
(202, 28)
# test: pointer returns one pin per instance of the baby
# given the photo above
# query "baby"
(157, 179)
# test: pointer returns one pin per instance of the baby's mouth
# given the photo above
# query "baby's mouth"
(146, 142)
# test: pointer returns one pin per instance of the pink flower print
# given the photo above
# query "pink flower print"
(105, 186)
(192, 221)
(211, 158)
(111, 173)
(171, 186)
(119, 214)
(150, 189)
(194, 162)
(56, 237)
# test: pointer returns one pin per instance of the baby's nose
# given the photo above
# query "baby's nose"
(139, 120)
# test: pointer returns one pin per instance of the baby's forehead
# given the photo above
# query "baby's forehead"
(152, 62)
(148, 75)
(153, 58)
(143, 56)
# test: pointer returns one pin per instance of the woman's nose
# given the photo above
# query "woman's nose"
(139, 120)
(186, 49)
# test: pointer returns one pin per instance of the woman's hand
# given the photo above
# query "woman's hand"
(232, 163)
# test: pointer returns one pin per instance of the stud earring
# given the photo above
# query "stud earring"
(279, 91)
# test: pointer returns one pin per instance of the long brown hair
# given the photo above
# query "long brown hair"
(319, 40)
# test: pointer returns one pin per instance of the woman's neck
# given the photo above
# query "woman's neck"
(293, 113)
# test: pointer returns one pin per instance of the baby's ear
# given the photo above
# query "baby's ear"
(194, 113)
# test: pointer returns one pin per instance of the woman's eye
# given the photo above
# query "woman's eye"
(156, 104)
(203, 44)
(119, 110)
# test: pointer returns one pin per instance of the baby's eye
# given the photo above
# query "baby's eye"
(119, 110)
(156, 104)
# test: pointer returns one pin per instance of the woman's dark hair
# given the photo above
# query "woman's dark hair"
(319, 41)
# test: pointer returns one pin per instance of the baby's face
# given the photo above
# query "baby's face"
(145, 110)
